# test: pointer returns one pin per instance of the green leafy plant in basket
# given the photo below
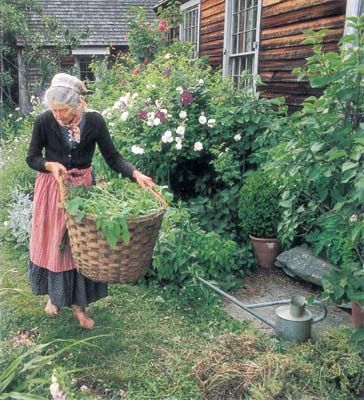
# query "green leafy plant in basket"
(258, 206)
(111, 205)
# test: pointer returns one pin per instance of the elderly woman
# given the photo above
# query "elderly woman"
(63, 143)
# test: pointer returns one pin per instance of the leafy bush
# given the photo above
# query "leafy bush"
(182, 123)
(20, 216)
(16, 173)
(185, 251)
(259, 211)
(320, 157)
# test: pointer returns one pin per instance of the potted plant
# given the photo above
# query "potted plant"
(346, 285)
(259, 215)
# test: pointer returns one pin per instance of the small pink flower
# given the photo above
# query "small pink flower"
(136, 71)
(159, 114)
(162, 26)
(186, 98)
(142, 114)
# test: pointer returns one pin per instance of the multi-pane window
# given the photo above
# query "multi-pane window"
(190, 27)
(242, 35)
(85, 70)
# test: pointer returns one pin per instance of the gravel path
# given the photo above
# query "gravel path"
(274, 284)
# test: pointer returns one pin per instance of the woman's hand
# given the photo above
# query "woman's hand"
(55, 168)
(143, 180)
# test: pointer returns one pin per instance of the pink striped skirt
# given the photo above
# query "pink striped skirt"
(49, 224)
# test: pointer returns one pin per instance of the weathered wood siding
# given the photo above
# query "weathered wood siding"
(282, 31)
(212, 14)
(281, 49)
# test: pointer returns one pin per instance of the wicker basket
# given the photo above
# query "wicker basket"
(96, 260)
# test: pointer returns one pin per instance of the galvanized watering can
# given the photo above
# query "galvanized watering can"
(293, 321)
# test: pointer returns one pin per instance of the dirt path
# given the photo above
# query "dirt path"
(270, 285)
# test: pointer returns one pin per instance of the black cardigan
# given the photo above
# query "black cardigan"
(48, 136)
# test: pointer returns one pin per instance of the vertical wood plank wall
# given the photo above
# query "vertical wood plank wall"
(282, 26)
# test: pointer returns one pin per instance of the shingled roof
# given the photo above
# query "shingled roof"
(105, 19)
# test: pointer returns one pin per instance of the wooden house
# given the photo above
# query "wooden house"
(264, 37)
(105, 21)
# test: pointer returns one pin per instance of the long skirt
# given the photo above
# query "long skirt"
(51, 267)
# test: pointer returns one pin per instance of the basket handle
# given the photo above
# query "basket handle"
(158, 196)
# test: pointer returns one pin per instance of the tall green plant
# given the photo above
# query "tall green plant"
(321, 155)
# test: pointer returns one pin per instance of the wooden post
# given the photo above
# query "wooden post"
(23, 91)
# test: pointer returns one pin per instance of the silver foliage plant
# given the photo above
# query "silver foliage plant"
(20, 216)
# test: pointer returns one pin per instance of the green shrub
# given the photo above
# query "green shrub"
(185, 251)
(15, 173)
(259, 211)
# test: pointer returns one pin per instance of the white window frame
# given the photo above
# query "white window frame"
(228, 26)
(354, 8)
(191, 4)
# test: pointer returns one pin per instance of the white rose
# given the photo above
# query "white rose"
(211, 123)
(137, 149)
(180, 130)
(237, 137)
(149, 122)
(156, 121)
(202, 120)
(179, 90)
(164, 111)
(167, 137)
(167, 56)
(124, 115)
(198, 146)
(178, 146)
(201, 81)
(183, 114)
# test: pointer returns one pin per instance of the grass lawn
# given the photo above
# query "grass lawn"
(152, 344)
(147, 345)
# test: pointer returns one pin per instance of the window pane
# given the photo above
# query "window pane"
(190, 27)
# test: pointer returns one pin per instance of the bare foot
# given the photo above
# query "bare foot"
(85, 321)
(51, 309)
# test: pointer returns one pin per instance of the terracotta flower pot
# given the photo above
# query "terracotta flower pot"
(357, 315)
(265, 250)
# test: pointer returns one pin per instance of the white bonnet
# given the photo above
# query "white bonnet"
(68, 81)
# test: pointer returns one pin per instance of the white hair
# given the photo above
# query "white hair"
(62, 95)
(65, 89)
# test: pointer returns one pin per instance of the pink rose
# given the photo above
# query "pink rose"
(162, 26)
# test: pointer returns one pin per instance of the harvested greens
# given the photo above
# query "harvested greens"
(111, 204)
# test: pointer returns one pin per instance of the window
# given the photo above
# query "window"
(85, 71)
(85, 56)
(242, 24)
(190, 27)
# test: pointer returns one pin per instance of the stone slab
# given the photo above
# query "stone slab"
(300, 262)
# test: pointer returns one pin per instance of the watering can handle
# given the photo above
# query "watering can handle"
(323, 313)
